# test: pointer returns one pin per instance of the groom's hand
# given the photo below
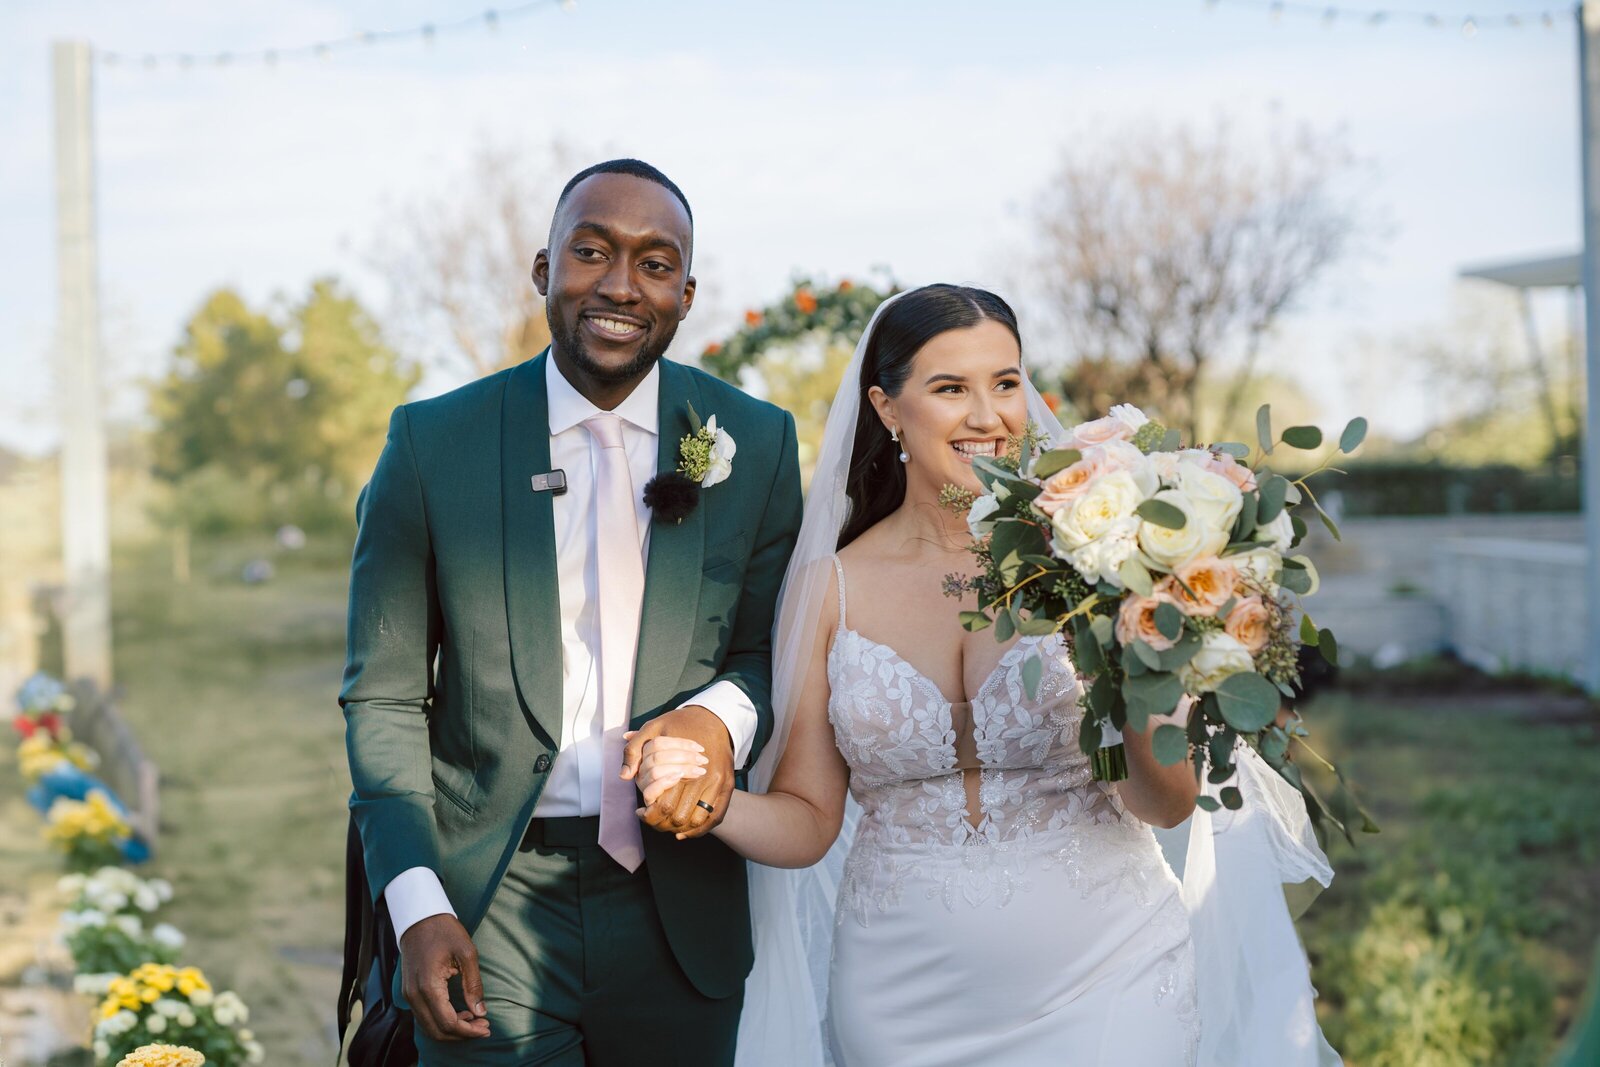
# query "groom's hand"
(433, 951)
(679, 810)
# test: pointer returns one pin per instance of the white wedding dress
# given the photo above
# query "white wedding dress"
(1043, 928)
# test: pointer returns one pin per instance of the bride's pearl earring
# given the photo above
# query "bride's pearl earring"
(894, 435)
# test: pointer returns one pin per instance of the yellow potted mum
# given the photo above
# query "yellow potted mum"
(159, 1002)
(163, 1056)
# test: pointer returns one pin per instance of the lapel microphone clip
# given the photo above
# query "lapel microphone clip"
(554, 482)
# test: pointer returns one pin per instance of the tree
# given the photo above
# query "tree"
(267, 418)
(1170, 250)
(459, 262)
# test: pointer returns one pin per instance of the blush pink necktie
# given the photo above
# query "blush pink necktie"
(620, 567)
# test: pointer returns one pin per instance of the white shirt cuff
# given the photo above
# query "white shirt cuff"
(413, 895)
(728, 702)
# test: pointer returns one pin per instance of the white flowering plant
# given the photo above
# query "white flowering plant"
(162, 1003)
(111, 944)
(1171, 573)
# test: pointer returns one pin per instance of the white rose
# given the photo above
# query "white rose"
(722, 450)
(1129, 416)
(1216, 500)
(167, 936)
(156, 1024)
(1167, 549)
(1099, 559)
(981, 509)
(1108, 500)
(1279, 533)
(1259, 567)
(1219, 658)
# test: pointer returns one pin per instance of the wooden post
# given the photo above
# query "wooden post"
(85, 527)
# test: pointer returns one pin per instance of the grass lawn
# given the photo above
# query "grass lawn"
(1460, 935)
(233, 689)
(1465, 931)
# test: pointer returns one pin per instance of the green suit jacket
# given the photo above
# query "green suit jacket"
(453, 681)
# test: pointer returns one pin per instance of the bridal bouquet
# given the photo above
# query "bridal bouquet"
(1172, 572)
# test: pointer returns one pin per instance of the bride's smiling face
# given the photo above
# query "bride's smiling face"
(964, 397)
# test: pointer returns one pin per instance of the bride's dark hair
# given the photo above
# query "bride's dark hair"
(876, 484)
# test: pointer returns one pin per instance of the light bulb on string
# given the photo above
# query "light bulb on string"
(1469, 27)
(1377, 18)
(1275, 9)
(569, 6)
(270, 58)
(427, 34)
(491, 19)
(1329, 17)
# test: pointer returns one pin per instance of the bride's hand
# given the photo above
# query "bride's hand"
(667, 761)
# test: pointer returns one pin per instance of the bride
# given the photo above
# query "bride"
(996, 905)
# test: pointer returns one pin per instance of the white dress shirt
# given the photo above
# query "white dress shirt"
(573, 787)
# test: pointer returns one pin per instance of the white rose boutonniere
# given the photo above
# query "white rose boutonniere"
(705, 458)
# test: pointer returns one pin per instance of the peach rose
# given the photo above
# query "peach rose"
(1231, 469)
(1213, 582)
(1249, 623)
(1099, 431)
(1068, 484)
(1136, 620)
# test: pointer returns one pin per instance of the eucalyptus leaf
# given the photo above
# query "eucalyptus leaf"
(1273, 492)
(1296, 580)
(1207, 803)
(1248, 702)
(1169, 620)
(974, 621)
(1180, 653)
(1304, 438)
(1329, 523)
(1135, 577)
(1088, 735)
(1264, 427)
(1090, 657)
(1219, 775)
(1233, 448)
(1274, 745)
(1328, 646)
(1103, 629)
(1102, 695)
(1299, 526)
(1171, 441)
(1005, 626)
(1308, 631)
(1148, 655)
(1169, 745)
(1150, 694)
(1232, 799)
(1245, 524)
(1057, 459)
(1038, 626)
(1161, 513)
(1355, 431)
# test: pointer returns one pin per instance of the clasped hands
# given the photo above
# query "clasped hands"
(682, 762)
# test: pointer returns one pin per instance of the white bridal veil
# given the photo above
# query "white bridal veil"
(793, 910)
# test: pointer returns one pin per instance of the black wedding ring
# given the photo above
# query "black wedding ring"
(709, 809)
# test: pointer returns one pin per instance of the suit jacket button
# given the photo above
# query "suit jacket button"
(541, 764)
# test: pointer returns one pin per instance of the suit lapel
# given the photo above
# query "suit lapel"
(677, 551)
(533, 601)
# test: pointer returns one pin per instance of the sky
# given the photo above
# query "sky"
(824, 138)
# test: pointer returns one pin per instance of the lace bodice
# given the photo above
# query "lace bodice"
(907, 746)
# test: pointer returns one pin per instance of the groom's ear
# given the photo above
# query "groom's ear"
(541, 272)
(687, 301)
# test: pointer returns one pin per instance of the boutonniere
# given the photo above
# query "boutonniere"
(705, 457)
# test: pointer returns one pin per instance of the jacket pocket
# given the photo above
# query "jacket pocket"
(441, 787)
(728, 552)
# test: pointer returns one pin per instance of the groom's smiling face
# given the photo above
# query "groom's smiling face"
(616, 280)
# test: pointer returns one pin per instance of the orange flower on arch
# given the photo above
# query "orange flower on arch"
(805, 301)
(846, 285)
(752, 318)
(1051, 401)
(713, 348)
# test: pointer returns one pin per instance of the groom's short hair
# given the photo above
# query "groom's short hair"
(637, 168)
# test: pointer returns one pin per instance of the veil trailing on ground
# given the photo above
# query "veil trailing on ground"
(792, 911)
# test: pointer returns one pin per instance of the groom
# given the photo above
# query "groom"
(515, 607)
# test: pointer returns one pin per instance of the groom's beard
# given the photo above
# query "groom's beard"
(570, 343)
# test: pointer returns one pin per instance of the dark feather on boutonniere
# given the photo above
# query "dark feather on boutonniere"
(671, 495)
